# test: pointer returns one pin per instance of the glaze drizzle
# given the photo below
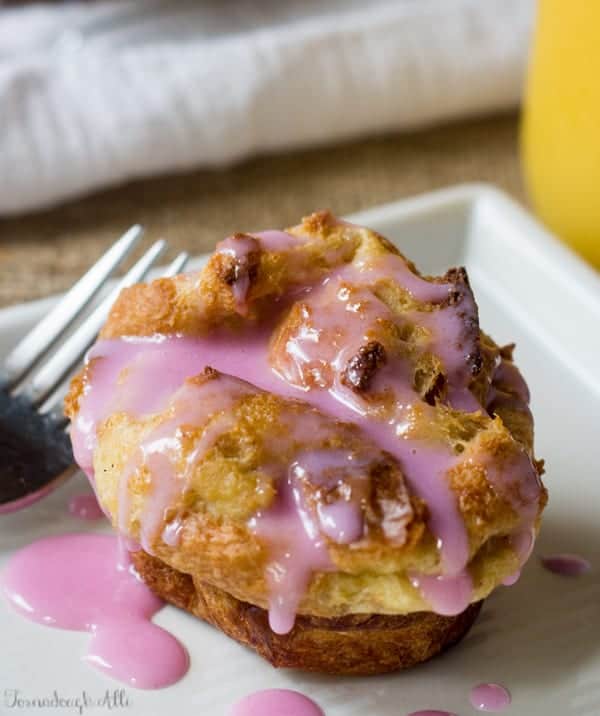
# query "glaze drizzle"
(341, 348)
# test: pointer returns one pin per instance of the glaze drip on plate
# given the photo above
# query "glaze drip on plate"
(490, 697)
(276, 702)
(85, 507)
(370, 344)
(567, 565)
(78, 582)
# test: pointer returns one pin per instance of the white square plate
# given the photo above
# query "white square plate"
(541, 638)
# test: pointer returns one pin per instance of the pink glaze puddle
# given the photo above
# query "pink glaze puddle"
(490, 697)
(85, 507)
(73, 582)
(276, 702)
(567, 565)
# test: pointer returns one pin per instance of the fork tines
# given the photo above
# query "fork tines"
(34, 446)
(46, 334)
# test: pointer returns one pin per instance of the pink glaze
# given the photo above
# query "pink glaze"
(490, 697)
(450, 339)
(195, 403)
(395, 268)
(512, 578)
(240, 247)
(276, 702)
(337, 320)
(125, 547)
(297, 550)
(73, 582)
(296, 533)
(447, 595)
(171, 534)
(424, 465)
(85, 507)
(274, 240)
(30, 499)
(523, 541)
(340, 520)
(122, 371)
(518, 483)
(567, 565)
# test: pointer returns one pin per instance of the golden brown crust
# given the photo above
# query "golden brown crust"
(71, 405)
(226, 487)
(192, 304)
(217, 545)
(356, 644)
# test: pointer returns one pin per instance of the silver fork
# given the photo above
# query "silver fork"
(35, 450)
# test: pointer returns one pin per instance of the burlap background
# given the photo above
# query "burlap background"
(45, 252)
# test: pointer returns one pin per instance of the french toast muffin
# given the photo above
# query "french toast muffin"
(313, 447)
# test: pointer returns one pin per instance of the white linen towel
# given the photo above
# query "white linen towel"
(95, 94)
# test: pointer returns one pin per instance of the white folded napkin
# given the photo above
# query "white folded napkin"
(92, 94)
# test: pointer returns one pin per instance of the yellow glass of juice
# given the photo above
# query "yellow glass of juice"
(561, 122)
